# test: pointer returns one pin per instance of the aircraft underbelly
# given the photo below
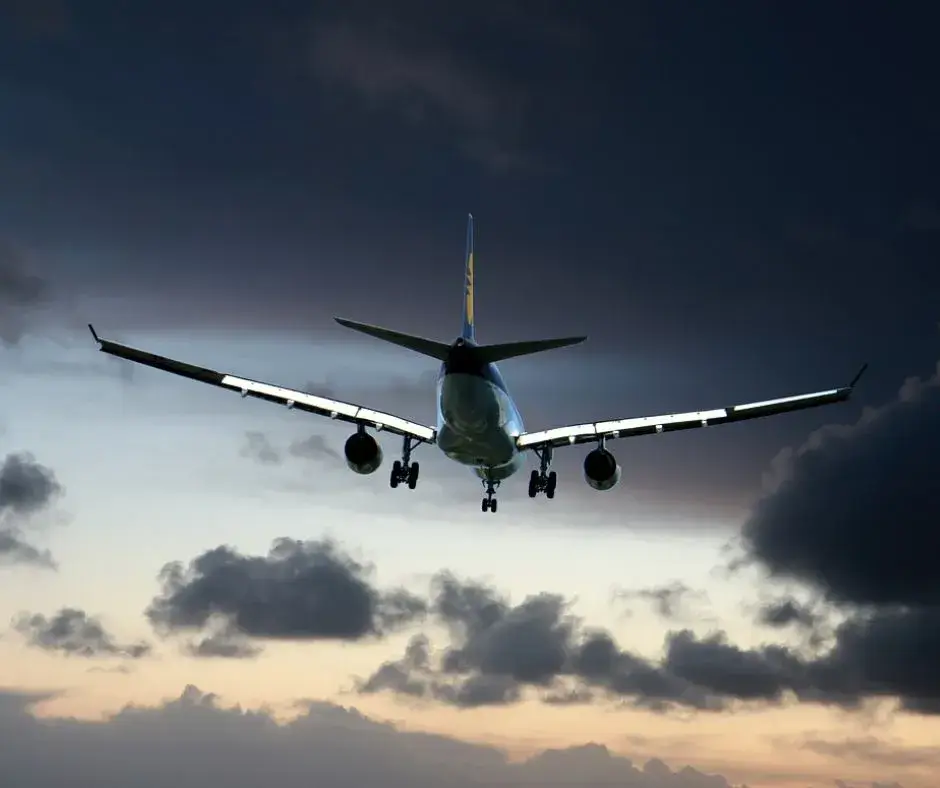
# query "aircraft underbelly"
(475, 419)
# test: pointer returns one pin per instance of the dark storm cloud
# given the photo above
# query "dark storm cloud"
(74, 633)
(26, 488)
(182, 741)
(787, 612)
(670, 601)
(499, 652)
(853, 511)
(299, 591)
(498, 649)
(853, 516)
(416, 65)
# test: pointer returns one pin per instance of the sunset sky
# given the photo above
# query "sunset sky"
(734, 201)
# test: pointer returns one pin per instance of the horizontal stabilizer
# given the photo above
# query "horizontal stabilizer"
(493, 353)
(426, 347)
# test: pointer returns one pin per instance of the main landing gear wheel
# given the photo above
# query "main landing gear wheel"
(404, 470)
(489, 503)
(543, 480)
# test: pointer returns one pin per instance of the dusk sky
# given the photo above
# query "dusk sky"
(733, 200)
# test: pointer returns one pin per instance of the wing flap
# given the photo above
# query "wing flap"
(670, 422)
(300, 400)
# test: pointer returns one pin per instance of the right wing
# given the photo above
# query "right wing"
(668, 422)
(300, 400)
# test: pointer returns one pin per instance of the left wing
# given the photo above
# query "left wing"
(301, 400)
(648, 425)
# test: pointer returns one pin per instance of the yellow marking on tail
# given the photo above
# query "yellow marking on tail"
(470, 289)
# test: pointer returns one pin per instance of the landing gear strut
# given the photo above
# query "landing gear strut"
(404, 470)
(543, 480)
(490, 502)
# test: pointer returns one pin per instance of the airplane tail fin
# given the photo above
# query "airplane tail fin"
(426, 347)
(468, 327)
(439, 350)
(493, 353)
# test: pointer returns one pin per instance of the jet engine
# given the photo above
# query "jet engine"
(601, 469)
(363, 453)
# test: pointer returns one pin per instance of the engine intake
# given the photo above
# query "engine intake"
(363, 453)
(601, 469)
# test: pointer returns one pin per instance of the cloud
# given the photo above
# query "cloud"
(852, 516)
(26, 488)
(74, 633)
(414, 66)
(853, 511)
(258, 447)
(787, 612)
(313, 447)
(670, 601)
(182, 741)
(13, 549)
(497, 650)
(21, 294)
(498, 653)
(873, 750)
(299, 591)
(224, 642)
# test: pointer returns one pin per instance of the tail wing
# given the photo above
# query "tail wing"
(427, 347)
(493, 353)
(468, 329)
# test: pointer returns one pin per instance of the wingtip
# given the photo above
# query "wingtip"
(858, 375)
(94, 333)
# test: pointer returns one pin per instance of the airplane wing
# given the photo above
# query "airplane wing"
(299, 400)
(648, 425)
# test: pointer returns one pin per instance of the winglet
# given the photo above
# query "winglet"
(94, 333)
(858, 375)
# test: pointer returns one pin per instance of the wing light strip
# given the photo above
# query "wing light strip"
(622, 425)
(559, 433)
(785, 400)
(330, 406)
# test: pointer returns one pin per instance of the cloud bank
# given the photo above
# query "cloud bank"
(193, 741)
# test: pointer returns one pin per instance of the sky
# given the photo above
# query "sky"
(734, 202)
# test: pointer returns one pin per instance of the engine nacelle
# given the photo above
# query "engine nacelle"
(601, 469)
(363, 453)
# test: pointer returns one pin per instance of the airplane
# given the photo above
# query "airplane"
(478, 423)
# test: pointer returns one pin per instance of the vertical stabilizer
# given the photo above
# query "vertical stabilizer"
(468, 329)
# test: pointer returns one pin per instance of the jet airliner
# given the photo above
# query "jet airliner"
(478, 424)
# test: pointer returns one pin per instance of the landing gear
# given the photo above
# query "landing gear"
(404, 470)
(543, 480)
(489, 502)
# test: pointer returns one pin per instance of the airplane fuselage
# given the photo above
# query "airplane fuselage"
(477, 420)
